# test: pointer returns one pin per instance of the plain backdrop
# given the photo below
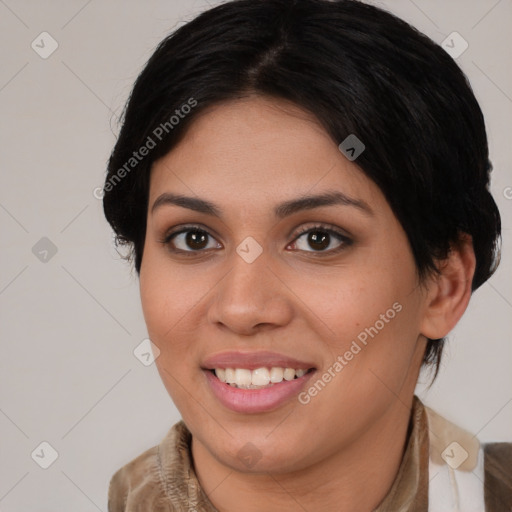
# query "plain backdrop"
(70, 309)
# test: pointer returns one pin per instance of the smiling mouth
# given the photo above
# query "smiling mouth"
(259, 378)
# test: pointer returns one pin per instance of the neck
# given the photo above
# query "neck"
(357, 477)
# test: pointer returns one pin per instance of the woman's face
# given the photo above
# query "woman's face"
(266, 280)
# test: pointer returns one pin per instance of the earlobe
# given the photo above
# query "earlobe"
(449, 291)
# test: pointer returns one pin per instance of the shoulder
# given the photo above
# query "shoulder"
(445, 434)
(138, 485)
(138, 480)
(498, 475)
(499, 455)
(467, 472)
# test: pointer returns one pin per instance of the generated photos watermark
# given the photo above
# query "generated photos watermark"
(157, 135)
(355, 348)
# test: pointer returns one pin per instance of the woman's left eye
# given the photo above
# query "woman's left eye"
(320, 238)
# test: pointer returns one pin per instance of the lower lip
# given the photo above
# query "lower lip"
(256, 400)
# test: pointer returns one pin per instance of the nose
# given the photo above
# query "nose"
(251, 298)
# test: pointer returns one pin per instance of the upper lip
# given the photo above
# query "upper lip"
(253, 360)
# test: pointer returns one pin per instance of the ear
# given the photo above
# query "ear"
(449, 291)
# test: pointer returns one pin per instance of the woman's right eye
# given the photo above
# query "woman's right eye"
(189, 240)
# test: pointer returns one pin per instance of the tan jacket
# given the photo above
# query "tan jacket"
(444, 468)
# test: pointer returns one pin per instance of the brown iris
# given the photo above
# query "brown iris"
(318, 240)
(196, 239)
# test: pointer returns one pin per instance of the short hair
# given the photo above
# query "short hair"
(360, 71)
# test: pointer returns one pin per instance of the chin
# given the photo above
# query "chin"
(258, 449)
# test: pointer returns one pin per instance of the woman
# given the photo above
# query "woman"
(305, 189)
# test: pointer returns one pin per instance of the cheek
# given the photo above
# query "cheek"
(367, 313)
(166, 301)
(168, 292)
(167, 296)
(348, 299)
(174, 299)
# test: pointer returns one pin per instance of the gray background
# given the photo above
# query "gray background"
(70, 321)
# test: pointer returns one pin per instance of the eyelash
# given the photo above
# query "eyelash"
(344, 239)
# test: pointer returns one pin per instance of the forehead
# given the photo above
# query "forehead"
(254, 149)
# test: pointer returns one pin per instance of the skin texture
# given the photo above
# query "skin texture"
(341, 451)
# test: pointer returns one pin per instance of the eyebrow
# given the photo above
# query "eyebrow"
(282, 210)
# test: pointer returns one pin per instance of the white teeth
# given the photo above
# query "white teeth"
(230, 376)
(243, 377)
(289, 374)
(259, 378)
(276, 375)
(221, 374)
